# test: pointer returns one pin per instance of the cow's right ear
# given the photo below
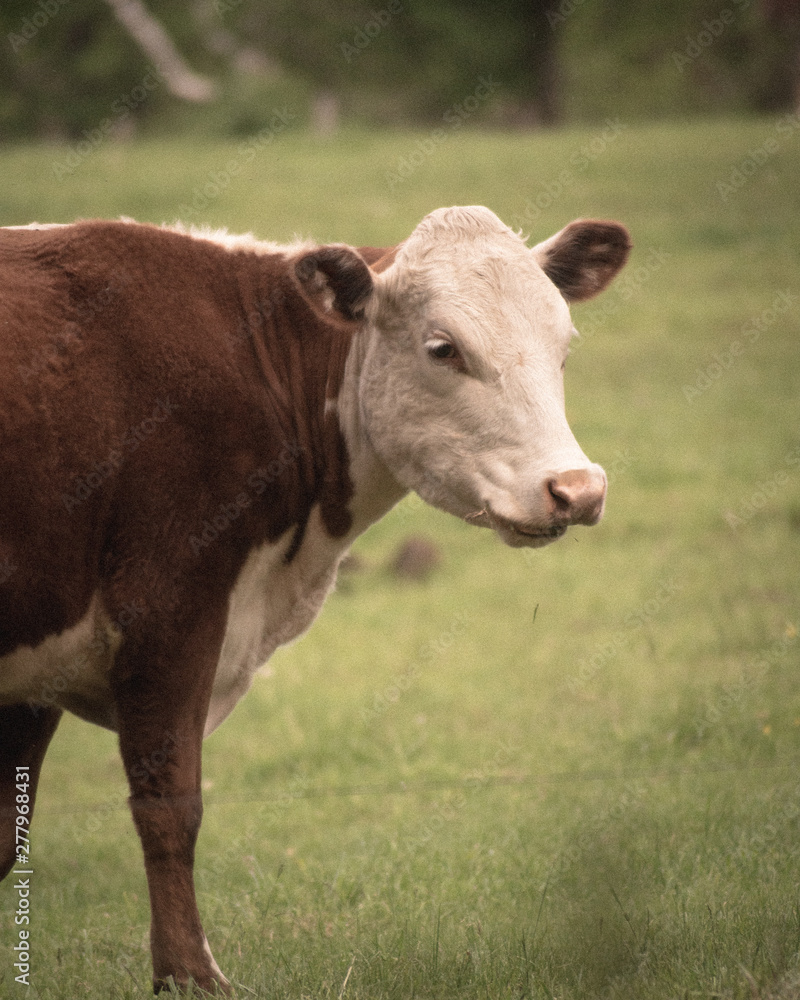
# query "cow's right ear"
(335, 279)
(584, 257)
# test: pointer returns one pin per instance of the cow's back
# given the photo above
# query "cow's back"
(59, 409)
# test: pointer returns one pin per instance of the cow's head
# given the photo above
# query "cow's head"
(461, 368)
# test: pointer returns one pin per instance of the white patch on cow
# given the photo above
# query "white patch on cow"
(271, 604)
(240, 242)
(40, 225)
(479, 437)
(215, 969)
(69, 670)
(234, 242)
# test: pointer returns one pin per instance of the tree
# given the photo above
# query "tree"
(157, 45)
(784, 17)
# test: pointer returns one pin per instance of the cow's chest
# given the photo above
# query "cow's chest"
(271, 603)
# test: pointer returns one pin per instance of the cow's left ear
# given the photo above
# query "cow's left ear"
(335, 279)
(584, 257)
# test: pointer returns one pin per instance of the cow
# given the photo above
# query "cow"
(195, 426)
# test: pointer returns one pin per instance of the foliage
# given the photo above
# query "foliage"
(677, 58)
(70, 68)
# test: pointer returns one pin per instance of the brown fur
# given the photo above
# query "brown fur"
(189, 368)
(583, 258)
(146, 377)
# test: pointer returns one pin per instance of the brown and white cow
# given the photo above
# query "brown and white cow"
(193, 429)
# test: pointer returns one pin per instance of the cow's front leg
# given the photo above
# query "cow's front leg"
(25, 734)
(162, 697)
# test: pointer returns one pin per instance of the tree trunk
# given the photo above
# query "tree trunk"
(151, 37)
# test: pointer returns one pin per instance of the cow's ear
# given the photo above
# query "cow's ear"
(584, 257)
(335, 279)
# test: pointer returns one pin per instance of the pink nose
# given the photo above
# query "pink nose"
(578, 496)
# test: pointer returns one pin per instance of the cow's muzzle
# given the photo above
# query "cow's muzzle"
(577, 496)
(573, 497)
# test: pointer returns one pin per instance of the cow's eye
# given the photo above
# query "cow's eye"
(444, 351)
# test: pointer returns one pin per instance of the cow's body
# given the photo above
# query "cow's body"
(193, 429)
(167, 468)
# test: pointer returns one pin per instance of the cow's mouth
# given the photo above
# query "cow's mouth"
(515, 534)
(551, 534)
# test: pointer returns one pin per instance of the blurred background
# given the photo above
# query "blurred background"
(221, 66)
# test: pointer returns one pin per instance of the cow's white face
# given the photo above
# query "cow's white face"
(461, 391)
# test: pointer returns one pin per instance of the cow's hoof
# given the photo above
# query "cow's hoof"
(206, 986)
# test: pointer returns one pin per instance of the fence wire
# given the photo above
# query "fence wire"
(422, 786)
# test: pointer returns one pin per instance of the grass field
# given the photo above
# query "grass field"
(567, 774)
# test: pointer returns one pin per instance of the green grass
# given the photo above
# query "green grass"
(565, 774)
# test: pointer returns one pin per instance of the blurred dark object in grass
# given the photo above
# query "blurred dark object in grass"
(415, 558)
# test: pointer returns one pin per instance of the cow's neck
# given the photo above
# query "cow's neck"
(313, 399)
(376, 490)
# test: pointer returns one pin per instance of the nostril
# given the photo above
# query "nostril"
(578, 496)
(561, 494)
